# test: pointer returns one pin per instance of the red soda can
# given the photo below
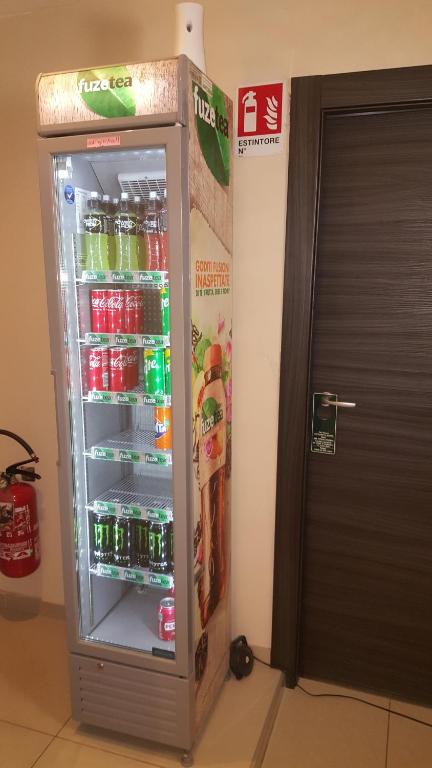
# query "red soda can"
(139, 311)
(98, 369)
(130, 310)
(166, 618)
(99, 317)
(118, 369)
(132, 368)
(115, 311)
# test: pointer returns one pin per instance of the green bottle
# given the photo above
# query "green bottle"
(108, 210)
(96, 235)
(125, 229)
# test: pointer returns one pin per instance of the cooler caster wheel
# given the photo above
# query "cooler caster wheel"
(187, 759)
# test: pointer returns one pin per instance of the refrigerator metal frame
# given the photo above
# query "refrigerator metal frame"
(174, 138)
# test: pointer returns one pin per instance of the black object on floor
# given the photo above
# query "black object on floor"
(241, 657)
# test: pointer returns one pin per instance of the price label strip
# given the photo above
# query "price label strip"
(135, 575)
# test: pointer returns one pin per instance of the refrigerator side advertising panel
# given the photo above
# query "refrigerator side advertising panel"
(130, 217)
(211, 196)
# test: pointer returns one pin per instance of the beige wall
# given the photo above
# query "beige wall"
(246, 41)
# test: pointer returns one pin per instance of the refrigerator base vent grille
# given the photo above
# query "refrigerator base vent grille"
(134, 701)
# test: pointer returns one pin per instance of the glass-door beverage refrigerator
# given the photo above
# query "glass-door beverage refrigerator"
(136, 194)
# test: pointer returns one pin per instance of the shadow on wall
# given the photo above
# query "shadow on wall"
(20, 608)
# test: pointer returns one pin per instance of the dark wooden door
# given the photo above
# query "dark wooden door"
(367, 579)
(354, 603)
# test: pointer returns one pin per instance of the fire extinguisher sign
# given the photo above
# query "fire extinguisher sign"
(260, 121)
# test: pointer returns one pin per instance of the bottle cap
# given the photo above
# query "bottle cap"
(212, 356)
(125, 195)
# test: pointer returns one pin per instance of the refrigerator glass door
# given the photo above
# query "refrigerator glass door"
(114, 275)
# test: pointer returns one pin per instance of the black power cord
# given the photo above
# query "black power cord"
(351, 698)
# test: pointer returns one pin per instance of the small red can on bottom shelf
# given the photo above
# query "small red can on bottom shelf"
(166, 618)
(118, 365)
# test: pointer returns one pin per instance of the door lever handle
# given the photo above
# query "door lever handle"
(337, 403)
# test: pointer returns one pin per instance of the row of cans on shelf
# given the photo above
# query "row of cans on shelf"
(116, 369)
(121, 310)
(127, 543)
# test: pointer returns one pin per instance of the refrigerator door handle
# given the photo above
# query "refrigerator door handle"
(54, 375)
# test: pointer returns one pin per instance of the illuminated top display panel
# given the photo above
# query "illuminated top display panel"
(125, 95)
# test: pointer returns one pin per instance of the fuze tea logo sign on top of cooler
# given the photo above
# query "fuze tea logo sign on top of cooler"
(108, 92)
(213, 131)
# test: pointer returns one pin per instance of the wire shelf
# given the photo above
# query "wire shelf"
(132, 490)
(134, 496)
(135, 445)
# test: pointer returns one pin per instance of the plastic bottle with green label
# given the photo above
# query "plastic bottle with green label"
(125, 229)
(109, 213)
(96, 234)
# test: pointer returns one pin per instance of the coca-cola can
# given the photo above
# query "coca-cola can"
(132, 368)
(130, 298)
(115, 311)
(99, 317)
(118, 369)
(139, 311)
(166, 619)
(98, 369)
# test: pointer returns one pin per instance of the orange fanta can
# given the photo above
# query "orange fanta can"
(162, 418)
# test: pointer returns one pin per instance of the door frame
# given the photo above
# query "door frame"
(311, 99)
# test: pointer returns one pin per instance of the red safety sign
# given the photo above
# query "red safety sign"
(259, 119)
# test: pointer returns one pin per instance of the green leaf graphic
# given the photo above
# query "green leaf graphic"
(115, 101)
(209, 407)
(200, 349)
(215, 146)
(217, 101)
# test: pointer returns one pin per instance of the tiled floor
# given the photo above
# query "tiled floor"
(36, 730)
(339, 733)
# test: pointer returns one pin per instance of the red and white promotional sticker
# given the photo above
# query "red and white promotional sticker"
(260, 119)
(96, 142)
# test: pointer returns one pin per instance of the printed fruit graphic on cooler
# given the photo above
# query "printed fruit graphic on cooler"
(213, 446)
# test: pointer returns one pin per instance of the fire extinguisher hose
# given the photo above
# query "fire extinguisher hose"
(14, 469)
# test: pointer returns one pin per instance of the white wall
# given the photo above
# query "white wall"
(246, 42)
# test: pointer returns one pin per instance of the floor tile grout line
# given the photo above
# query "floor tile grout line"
(49, 743)
(29, 727)
(388, 736)
(108, 751)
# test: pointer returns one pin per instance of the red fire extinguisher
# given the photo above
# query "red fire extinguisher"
(19, 526)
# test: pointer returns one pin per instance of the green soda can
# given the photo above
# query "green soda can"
(167, 356)
(154, 371)
(165, 309)
(102, 538)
